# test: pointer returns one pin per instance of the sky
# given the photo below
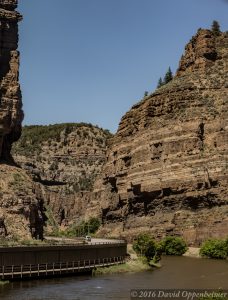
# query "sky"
(91, 60)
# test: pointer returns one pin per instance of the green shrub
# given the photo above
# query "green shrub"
(215, 248)
(173, 246)
(144, 245)
(83, 228)
(94, 224)
(226, 246)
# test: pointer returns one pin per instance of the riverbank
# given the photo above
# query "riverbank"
(133, 264)
(138, 264)
(193, 252)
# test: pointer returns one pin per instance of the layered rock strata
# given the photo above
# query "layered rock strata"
(166, 171)
(66, 159)
(21, 201)
(11, 114)
(21, 205)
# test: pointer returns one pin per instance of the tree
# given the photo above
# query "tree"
(146, 94)
(214, 248)
(160, 83)
(173, 246)
(168, 76)
(93, 224)
(215, 28)
(144, 245)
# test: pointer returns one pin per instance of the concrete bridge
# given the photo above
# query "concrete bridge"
(49, 261)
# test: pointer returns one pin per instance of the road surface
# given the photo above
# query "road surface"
(94, 241)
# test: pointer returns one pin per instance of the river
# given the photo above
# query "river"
(176, 272)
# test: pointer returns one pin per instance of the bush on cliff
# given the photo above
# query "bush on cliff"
(84, 228)
(173, 246)
(93, 224)
(215, 248)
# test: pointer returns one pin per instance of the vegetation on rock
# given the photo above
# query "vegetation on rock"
(84, 228)
(34, 135)
(146, 93)
(160, 83)
(215, 28)
(80, 229)
(167, 78)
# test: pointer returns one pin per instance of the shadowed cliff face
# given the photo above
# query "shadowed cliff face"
(21, 200)
(167, 170)
(11, 114)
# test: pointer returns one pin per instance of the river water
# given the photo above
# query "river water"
(176, 272)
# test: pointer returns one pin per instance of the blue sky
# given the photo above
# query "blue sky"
(91, 60)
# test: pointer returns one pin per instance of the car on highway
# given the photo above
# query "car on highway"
(88, 238)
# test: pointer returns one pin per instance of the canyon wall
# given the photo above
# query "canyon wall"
(21, 201)
(163, 172)
(11, 114)
(166, 171)
(66, 160)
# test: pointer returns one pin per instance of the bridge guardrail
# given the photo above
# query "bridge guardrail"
(67, 244)
(56, 268)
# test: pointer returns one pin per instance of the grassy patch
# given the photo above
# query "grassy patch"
(136, 265)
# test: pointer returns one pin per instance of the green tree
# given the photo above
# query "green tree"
(168, 76)
(145, 245)
(173, 246)
(146, 94)
(160, 83)
(93, 224)
(214, 248)
(215, 28)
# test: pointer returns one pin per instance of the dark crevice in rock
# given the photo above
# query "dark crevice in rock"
(51, 183)
(112, 181)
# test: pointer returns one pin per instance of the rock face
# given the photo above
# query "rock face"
(11, 114)
(66, 159)
(21, 205)
(167, 166)
(21, 202)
